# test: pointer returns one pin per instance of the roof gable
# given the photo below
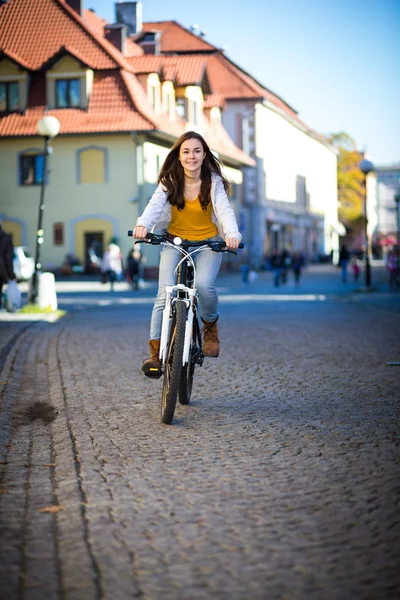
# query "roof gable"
(33, 32)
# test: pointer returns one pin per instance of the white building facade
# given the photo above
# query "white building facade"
(387, 211)
(290, 199)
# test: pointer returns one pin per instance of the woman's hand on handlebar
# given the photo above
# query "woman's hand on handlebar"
(139, 232)
(232, 243)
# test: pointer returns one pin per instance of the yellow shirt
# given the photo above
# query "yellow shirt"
(192, 223)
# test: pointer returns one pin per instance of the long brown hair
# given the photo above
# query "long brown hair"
(172, 176)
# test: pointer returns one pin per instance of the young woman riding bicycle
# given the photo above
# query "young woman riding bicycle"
(191, 202)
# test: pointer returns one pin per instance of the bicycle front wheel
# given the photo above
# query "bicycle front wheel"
(185, 388)
(173, 363)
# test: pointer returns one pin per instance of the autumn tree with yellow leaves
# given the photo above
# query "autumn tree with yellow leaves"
(350, 182)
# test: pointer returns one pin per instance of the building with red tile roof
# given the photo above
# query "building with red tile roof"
(116, 109)
(294, 191)
(37, 35)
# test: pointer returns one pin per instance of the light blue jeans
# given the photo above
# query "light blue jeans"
(207, 264)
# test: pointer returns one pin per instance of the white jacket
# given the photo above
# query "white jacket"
(157, 213)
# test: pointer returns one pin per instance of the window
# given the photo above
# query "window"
(181, 108)
(170, 99)
(193, 112)
(9, 96)
(58, 234)
(68, 93)
(31, 167)
(153, 96)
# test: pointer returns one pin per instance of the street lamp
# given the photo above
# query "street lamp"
(397, 200)
(48, 128)
(366, 167)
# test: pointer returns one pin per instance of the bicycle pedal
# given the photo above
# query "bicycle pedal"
(152, 372)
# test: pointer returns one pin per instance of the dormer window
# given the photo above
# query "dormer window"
(193, 112)
(153, 95)
(181, 108)
(13, 87)
(168, 99)
(9, 96)
(68, 93)
(68, 84)
(154, 92)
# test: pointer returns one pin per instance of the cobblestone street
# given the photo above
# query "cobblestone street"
(279, 481)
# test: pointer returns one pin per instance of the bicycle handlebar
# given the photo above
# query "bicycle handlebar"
(155, 240)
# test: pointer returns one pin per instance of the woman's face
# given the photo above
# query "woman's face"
(191, 154)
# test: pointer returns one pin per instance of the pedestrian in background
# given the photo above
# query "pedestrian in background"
(344, 256)
(111, 266)
(245, 266)
(355, 266)
(6, 261)
(297, 266)
(276, 264)
(133, 263)
(285, 264)
(393, 266)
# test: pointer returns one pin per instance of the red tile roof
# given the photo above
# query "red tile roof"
(225, 76)
(185, 70)
(215, 100)
(110, 109)
(175, 37)
(37, 32)
(93, 21)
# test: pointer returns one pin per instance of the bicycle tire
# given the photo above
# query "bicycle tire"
(186, 384)
(173, 363)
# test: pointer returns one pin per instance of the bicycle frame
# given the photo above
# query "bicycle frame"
(180, 292)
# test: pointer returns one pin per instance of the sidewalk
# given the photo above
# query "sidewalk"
(319, 278)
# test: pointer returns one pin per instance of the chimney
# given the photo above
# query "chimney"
(116, 34)
(129, 14)
(76, 5)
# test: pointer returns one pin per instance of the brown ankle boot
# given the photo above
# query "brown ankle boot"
(210, 341)
(152, 366)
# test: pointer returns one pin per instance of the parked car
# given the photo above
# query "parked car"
(23, 263)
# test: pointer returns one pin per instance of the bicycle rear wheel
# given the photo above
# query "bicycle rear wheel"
(173, 363)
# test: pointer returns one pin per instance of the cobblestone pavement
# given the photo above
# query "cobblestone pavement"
(279, 481)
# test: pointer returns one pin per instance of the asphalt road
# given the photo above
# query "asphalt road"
(279, 481)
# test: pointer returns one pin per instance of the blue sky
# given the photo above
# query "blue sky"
(337, 62)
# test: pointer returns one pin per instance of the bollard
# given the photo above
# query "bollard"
(47, 298)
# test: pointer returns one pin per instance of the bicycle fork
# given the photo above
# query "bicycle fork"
(173, 294)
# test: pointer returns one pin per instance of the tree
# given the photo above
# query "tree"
(350, 182)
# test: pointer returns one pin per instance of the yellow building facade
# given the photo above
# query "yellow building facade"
(95, 189)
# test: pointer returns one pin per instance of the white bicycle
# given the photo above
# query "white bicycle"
(181, 347)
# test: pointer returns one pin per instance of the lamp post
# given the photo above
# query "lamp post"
(397, 200)
(366, 167)
(48, 128)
